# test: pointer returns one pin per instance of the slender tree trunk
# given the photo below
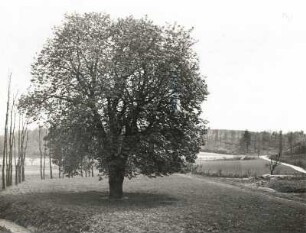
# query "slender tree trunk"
(44, 164)
(15, 159)
(11, 143)
(26, 134)
(82, 165)
(16, 172)
(40, 152)
(50, 155)
(19, 171)
(92, 169)
(4, 162)
(50, 165)
(19, 152)
(22, 170)
(60, 163)
(10, 157)
(4, 158)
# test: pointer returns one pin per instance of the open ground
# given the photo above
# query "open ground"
(237, 166)
(177, 203)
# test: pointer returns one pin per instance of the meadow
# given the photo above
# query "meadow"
(211, 164)
(177, 203)
(297, 160)
(238, 168)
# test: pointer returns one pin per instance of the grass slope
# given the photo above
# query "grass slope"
(239, 168)
(296, 159)
(170, 204)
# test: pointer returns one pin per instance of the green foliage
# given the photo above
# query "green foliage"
(126, 92)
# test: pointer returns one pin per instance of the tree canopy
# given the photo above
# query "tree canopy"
(131, 87)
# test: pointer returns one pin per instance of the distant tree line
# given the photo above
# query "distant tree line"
(247, 142)
(63, 147)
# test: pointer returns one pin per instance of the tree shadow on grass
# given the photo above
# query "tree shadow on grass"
(100, 199)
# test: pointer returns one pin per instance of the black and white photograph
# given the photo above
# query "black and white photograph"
(152, 116)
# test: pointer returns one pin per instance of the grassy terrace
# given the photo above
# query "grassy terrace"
(177, 203)
(297, 160)
(239, 168)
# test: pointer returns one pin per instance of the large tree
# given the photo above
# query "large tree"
(133, 85)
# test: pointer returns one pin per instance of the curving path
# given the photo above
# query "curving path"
(14, 228)
(299, 169)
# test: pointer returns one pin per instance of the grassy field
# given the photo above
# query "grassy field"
(218, 165)
(297, 160)
(238, 168)
(233, 166)
(178, 203)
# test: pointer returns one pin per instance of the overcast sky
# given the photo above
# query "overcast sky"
(252, 52)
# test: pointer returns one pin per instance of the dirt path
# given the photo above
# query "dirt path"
(12, 227)
(299, 169)
(178, 203)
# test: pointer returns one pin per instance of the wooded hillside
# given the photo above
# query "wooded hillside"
(266, 142)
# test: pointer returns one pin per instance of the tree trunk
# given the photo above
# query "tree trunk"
(116, 177)
(50, 165)
(81, 165)
(22, 171)
(24, 150)
(19, 173)
(40, 152)
(16, 174)
(4, 159)
(92, 170)
(44, 165)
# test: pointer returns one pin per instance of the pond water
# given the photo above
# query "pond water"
(216, 156)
